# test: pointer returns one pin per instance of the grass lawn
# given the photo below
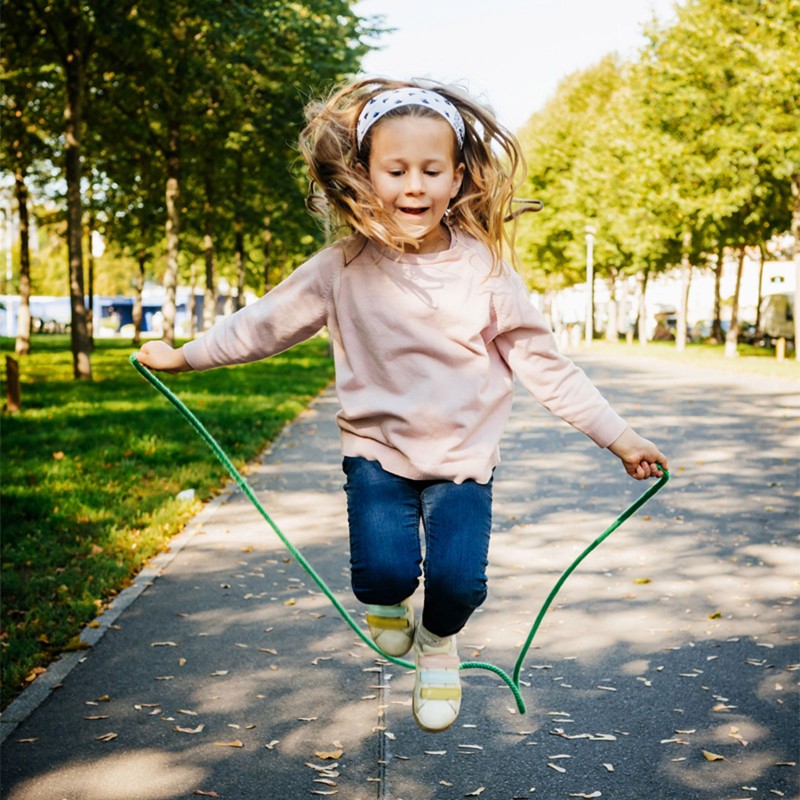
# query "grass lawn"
(90, 472)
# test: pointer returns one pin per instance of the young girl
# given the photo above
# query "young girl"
(429, 325)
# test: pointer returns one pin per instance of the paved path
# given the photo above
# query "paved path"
(231, 675)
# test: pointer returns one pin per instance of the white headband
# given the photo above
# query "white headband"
(384, 102)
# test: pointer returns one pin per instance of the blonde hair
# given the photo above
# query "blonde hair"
(340, 188)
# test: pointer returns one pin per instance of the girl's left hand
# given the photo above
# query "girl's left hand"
(640, 457)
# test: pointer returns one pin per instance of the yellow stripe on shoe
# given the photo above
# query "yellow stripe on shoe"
(387, 623)
(392, 627)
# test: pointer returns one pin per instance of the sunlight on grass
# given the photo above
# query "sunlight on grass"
(90, 472)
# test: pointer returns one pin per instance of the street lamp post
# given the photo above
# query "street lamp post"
(590, 231)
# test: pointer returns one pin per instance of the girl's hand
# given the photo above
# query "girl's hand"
(159, 356)
(639, 456)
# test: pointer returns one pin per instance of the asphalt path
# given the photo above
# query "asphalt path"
(667, 667)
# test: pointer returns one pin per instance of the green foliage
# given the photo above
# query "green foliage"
(696, 141)
(90, 474)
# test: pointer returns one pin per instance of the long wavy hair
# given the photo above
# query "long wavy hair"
(340, 189)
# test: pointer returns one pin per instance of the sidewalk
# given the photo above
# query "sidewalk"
(231, 675)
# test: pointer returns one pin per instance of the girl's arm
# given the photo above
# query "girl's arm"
(160, 356)
(640, 457)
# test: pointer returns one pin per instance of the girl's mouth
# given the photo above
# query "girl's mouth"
(415, 212)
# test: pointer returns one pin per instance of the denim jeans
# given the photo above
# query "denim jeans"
(384, 513)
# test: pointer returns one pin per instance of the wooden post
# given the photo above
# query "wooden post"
(780, 349)
(13, 397)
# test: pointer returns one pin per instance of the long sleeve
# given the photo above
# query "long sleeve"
(293, 311)
(529, 348)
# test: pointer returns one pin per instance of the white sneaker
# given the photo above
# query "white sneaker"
(392, 627)
(437, 685)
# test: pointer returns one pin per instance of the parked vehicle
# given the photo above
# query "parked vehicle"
(777, 318)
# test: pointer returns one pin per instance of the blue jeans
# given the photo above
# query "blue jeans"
(385, 511)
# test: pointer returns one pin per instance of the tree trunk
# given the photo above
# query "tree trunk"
(686, 282)
(81, 346)
(23, 343)
(210, 296)
(732, 337)
(612, 315)
(644, 277)
(267, 251)
(762, 255)
(238, 229)
(90, 266)
(13, 393)
(137, 300)
(172, 197)
(716, 326)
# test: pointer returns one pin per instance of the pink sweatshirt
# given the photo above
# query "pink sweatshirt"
(425, 349)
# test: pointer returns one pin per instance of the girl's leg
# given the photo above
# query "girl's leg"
(384, 513)
(457, 519)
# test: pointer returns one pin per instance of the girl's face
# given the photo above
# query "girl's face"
(413, 171)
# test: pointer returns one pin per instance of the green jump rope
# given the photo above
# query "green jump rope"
(513, 682)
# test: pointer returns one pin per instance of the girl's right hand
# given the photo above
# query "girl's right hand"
(161, 357)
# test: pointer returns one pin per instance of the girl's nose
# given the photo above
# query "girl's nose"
(413, 182)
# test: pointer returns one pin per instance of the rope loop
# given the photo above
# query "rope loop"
(513, 682)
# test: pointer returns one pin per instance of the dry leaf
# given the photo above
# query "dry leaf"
(307, 719)
(638, 581)
(198, 729)
(735, 734)
(331, 755)
(609, 767)
(556, 767)
(163, 644)
(26, 741)
(446, 783)
(436, 752)
(271, 745)
(713, 756)
(586, 796)
(200, 793)
(106, 737)
(187, 712)
(234, 743)
(721, 707)
(320, 792)
(97, 716)
(477, 793)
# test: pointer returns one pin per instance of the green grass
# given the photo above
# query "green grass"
(90, 471)
(751, 360)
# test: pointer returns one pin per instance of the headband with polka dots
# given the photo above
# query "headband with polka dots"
(408, 96)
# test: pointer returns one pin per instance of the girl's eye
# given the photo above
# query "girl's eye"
(433, 173)
(395, 173)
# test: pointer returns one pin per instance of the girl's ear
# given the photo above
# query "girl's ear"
(458, 178)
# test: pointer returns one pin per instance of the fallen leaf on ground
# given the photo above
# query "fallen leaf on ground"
(585, 795)
(329, 755)
(106, 737)
(234, 743)
(26, 741)
(187, 712)
(713, 756)
(219, 673)
(477, 793)
(163, 644)
(198, 729)
(201, 793)
(556, 767)
(735, 734)
(97, 716)
(271, 745)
